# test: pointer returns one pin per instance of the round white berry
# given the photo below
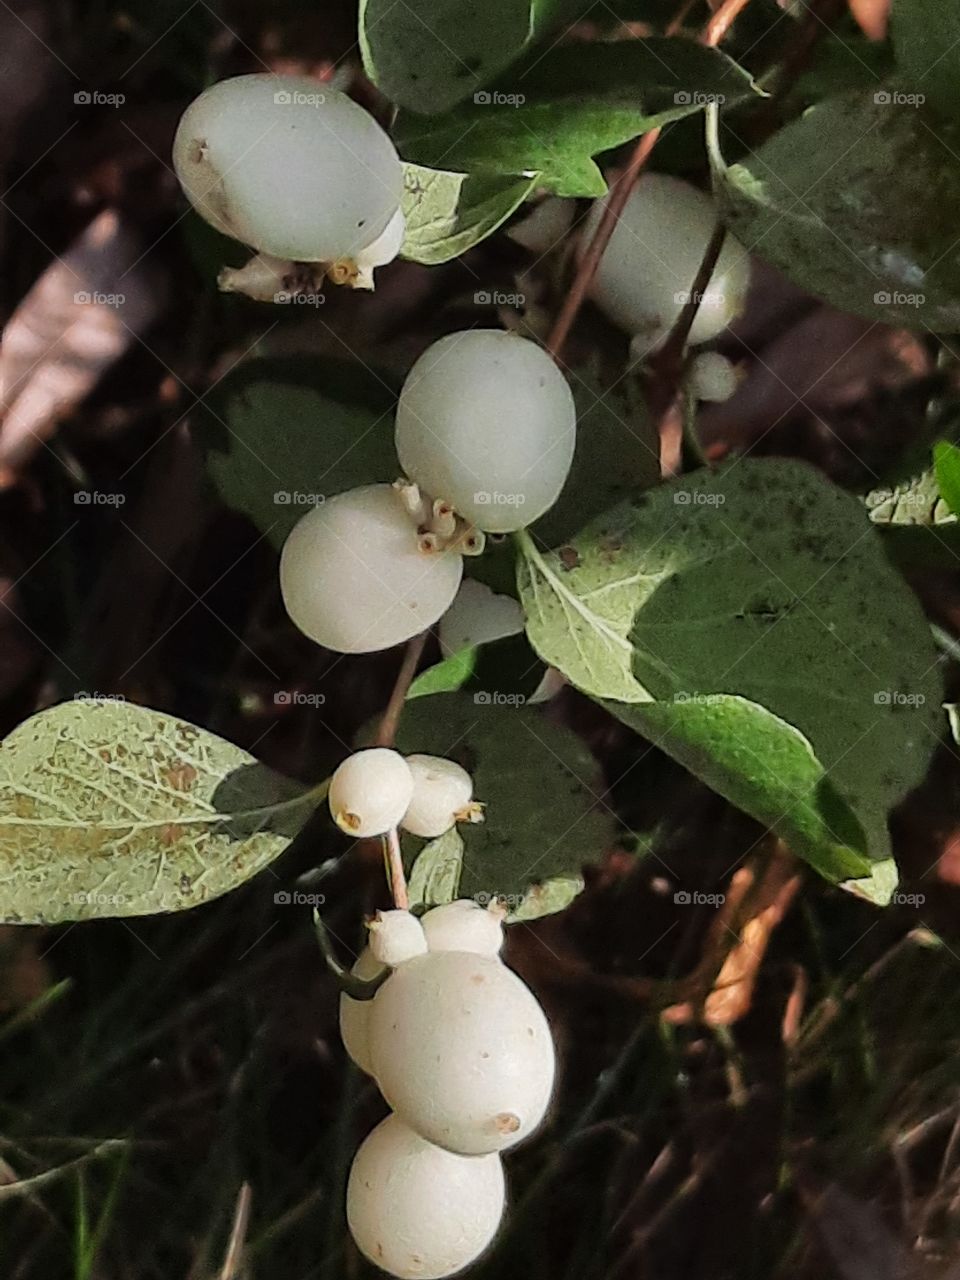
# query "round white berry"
(486, 422)
(462, 1051)
(464, 926)
(417, 1211)
(370, 791)
(355, 1014)
(712, 376)
(650, 265)
(288, 165)
(354, 577)
(396, 936)
(442, 792)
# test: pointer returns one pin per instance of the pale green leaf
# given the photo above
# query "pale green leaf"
(435, 878)
(110, 809)
(447, 213)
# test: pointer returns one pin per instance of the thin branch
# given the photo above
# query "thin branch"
(395, 872)
(722, 21)
(390, 720)
(238, 1234)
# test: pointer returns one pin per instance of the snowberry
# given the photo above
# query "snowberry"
(442, 795)
(464, 926)
(650, 264)
(370, 791)
(396, 936)
(288, 165)
(712, 376)
(462, 1051)
(420, 1212)
(486, 421)
(355, 578)
(355, 1014)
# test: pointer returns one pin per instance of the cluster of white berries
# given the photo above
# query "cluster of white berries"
(245, 139)
(485, 433)
(376, 790)
(463, 1054)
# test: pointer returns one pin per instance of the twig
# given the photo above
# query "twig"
(394, 709)
(395, 872)
(27, 1186)
(238, 1234)
(713, 33)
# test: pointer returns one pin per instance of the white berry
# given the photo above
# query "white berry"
(649, 267)
(288, 165)
(712, 376)
(442, 793)
(417, 1211)
(464, 926)
(370, 792)
(354, 577)
(355, 1014)
(486, 422)
(462, 1051)
(396, 936)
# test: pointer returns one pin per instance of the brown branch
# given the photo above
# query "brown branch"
(390, 721)
(722, 21)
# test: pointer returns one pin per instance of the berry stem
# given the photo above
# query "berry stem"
(394, 709)
(395, 873)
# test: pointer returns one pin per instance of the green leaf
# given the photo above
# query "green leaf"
(926, 42)
(109, 809)
(446, 676)
(617, 455)
(915, 502)
(654, 74)
(764, 581)
(447, 213)
(546, 899)
(553, 140)
(946, 465)
(855, 201)
(765, 767)
(435, 878)
(280, 435)
(427, 55)
(544, 813)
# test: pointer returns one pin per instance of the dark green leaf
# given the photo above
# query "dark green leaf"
(946, 464)
(281, 435)
(926, 41)
(856, 202)
(544, 814)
